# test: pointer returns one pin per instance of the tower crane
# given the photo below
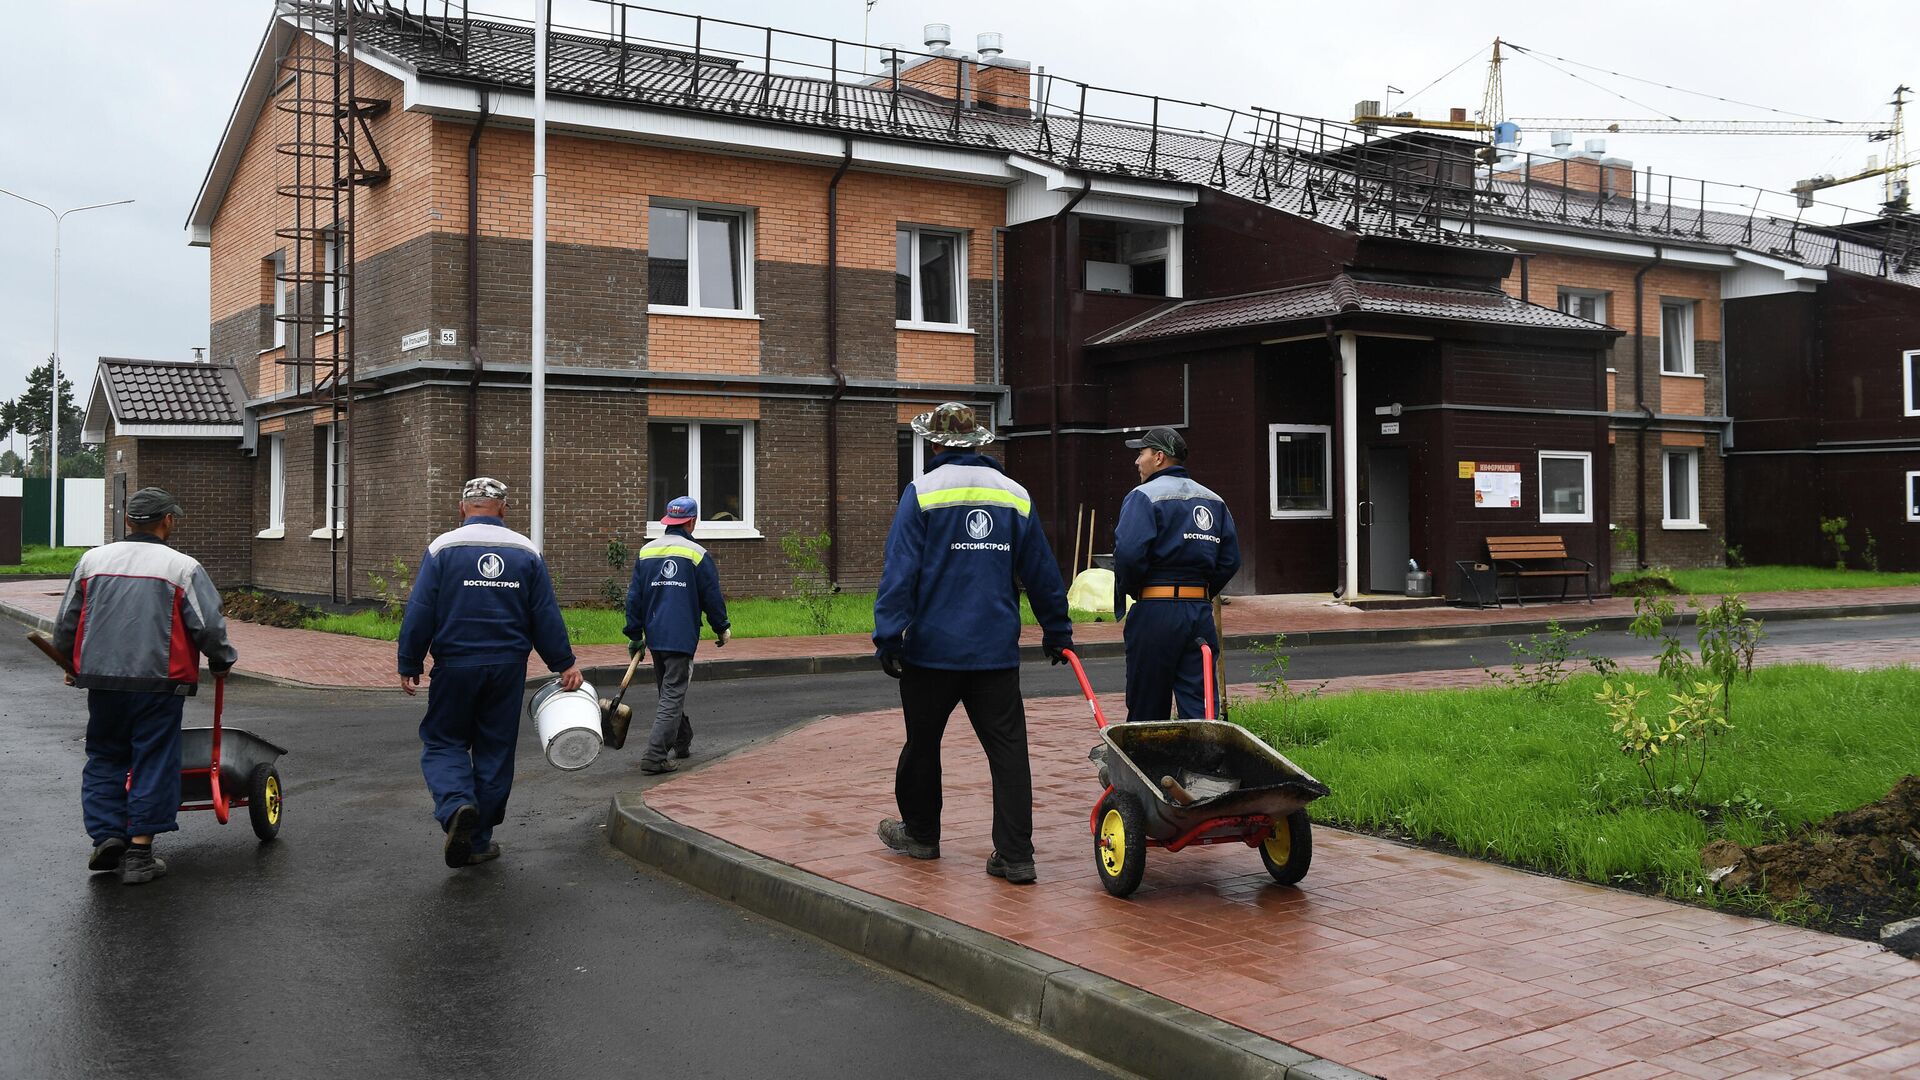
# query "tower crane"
(1895, 170)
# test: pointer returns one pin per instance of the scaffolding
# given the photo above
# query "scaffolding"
(328, 153)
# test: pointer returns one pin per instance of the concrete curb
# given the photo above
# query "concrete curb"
(1122, 1025)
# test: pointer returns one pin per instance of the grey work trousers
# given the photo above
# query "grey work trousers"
(671, 728)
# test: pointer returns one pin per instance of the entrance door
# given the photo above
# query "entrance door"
(1388, 537)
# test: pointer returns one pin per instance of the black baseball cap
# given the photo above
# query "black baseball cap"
(1164, 439)
(152, 504)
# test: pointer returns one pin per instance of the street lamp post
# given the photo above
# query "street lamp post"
(53, 384)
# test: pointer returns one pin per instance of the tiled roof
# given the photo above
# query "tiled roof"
(1308, 184)
(1340, 295)
(171, 392)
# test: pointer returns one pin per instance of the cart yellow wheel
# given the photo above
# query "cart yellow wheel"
(1288, 849)
(1120, 844)
(264, 801)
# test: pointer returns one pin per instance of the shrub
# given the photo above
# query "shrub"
(614, 589)
(1270, 673)
(806, 558)
(1835, 530)
(392, 594)
(1540, 665)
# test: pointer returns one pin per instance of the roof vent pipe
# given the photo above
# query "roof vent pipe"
(1562, 141)
(891, 61)
(989, 45)
(938, 36)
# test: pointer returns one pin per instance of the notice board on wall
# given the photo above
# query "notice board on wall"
(1496, 485)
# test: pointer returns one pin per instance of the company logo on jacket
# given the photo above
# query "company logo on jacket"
(979, 524)
(670, 569)
(491, 566)
(1203, 519)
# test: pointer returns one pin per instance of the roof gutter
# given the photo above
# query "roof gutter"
(473, 289)
(1640, 402)
(833, 365)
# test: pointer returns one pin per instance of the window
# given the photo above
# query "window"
(329, 480)
(713, 462)
(1910, 367)
(1129, 257)
(330, 291)
(1584, 304)
(911, 451)
(929, 277)
(1300, 471)
(1913, 496)
(277, 266)
(1682, 472)
(1676, 337)
(697, 258)
(1566, 476)
(276, 486)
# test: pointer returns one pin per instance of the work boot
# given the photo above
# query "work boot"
(459, 846)
(107, 854)
(655, 768)
(1016, 873)
(140, 865)
(893, 833)
(478, 857)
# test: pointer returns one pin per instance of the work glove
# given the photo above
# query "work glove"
(892, 664)
(1057, 650)
(635, 648)
(720, 640)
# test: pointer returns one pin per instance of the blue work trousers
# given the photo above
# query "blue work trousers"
(468, 741)
(137, 736)
(1163, 658)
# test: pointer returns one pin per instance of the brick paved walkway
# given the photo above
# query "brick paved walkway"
(1395, 961)
(338, 661)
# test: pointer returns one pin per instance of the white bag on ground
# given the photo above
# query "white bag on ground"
(1092, 590)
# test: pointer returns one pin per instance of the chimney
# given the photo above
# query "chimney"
(1458, 116)
(989, 46)
(891, 60)
(1001, 84)
(937, 36)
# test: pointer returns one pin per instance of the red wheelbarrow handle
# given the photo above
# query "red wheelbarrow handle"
(1099, 717)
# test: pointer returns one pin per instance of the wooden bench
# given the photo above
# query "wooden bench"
(1524, 558)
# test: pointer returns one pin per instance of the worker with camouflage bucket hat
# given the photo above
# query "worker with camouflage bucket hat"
(947, 625)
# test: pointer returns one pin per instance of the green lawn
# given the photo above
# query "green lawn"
(752, 617)
(1753, 579)
(37, 559)
(1539, 783)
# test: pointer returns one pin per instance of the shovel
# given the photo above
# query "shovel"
(614, 716)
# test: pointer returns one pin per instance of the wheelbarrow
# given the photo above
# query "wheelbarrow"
(1174, 784)
(222, 768)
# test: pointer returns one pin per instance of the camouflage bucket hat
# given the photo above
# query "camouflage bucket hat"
(952, 424)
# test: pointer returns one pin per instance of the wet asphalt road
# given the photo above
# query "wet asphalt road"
(347, 948)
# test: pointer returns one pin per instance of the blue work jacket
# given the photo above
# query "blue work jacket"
(482, 596)
(1172, 531)
(963, 542)
(674, 581)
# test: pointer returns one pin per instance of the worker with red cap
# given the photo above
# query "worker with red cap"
(675, 581)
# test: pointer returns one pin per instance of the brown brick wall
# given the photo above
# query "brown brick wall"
(1680, 548)
(211, 478)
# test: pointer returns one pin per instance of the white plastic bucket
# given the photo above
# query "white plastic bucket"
(569, 724)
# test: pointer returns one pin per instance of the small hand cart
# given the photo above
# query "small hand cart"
(1177, 783)
(222, 768)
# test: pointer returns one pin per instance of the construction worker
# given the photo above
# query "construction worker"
(674, 582)
(136, 618)
(482, 600)
(1174, 549)
(947, 625)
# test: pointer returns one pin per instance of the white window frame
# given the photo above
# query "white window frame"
(747, 218)
(1585, 459)
(961, 323)
(919, 452)
(330, 261)
(1913, 510)
(335, 452)
(1685, 307)
(1273, 470)
(743, 529)
(278, 262)
(1908, 361)
(276, 488)
(1598, 296)
(1692, 456)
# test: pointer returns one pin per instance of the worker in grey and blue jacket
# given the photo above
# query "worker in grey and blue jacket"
(1174, 549)
(482, 600)
(136, 617)
(674, 582)
(947, 625)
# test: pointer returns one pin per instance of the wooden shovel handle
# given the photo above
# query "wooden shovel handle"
(45, 644)
(632, 666)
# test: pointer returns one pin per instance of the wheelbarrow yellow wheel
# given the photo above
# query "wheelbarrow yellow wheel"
(263, 801)
(1120, 844)
(1288, 850)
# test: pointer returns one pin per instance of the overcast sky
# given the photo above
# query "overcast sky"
(112, 99)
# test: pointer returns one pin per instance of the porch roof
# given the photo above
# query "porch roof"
(1340, 295)
(186, 399)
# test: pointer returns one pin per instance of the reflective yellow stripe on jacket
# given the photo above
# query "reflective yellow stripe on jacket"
(973, 496)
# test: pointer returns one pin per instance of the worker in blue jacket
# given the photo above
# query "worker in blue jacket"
(1174, 550)
(482, 600)
(947, 625)
(674, 582)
